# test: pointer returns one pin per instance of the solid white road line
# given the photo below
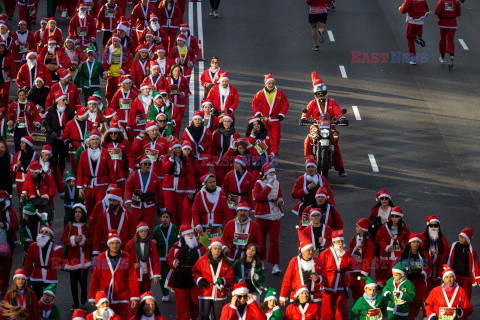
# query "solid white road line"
(356, 113)
(201, 64)
(330, 35)
(464, 45)
(342, 70)
(191, 98)
(373, 162)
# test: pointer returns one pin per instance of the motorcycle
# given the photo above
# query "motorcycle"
(324, 137)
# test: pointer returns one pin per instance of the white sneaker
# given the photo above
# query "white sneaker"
(166, 298)
(450, 64)
(216, 14)
(263, 265)
(413, 60)
(211, 12)
(441, 59)
(276, 269)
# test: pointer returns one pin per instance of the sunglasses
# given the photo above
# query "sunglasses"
(45, 232)
(148, 164)
(242, 296)
(395, 216)
(433, 225)
(113, 132)
(384, 198)
(164, 95)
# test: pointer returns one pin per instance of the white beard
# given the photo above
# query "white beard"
(82, 15)
(60, 108)
(31, 63)
(146, 100)
(433, 233)
(4, 36)
(107, 313)
(154, 26)
(51, 50)
(313, 178)
(92, 116)
(95, 154)
(213, 197)
(45, 165)
(307, 265)
(191, 242)
(42, 240)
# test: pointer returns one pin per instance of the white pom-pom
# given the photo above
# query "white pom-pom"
(297, 226)
(109, 234)
(359, 278)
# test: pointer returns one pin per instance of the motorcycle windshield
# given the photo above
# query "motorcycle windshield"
(324, 122)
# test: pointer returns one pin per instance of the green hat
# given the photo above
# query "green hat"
(29, 209)
(74, 59)
(368, 281)
(90, 49)
(97, 94)
(271, 294)
(51, 289)
(70, 175)
(156, 95)
(399, 267)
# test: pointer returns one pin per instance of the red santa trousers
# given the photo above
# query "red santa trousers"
(413, 30)
(275, 130)
(420, 296)
(112, 87)
(10, 7)
(172, 37)
(24, 14)
(334, 305)
(5, 268)
(356, 286)
(146, 215)
(221, 171)
(447, 43)
(4, 88)
(145, 284)
(465, 283)
(94, 195)
(19, 188)
(69, 6)
(177, 204)
(382, 269)
(336, 157)
(186, 301)
(72, 162)
(121, 309)
(273, 229)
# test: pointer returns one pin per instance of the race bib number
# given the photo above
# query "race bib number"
(240, 239)
(305, 219)
(21, 123)
(141, 119)
(232, 201)
(125, 104)
(398, 301)
(116, 58)
(374, 314)
(446, 313)
(259, 148)
(173, 88)
(357, 255)
(115, 153)
(152, 154)
(110, 13)
(448, 6)
(82, 31)
(22, 49)
(89, 8)
(213, 232)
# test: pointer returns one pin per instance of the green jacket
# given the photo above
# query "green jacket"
(152, 114)
(4, 130)
(276, 314)
(90, 79)
(361, 307)
(53, 315)
(163, 247)
(238, 270)
(407, 289)
(25, 234)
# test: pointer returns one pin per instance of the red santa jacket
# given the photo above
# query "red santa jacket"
(201, 149)
(362, 255)
(172, 256)
(335, 268)
(473, 262)
(79, 255)
(262, 106)
(300, 190)
(438, 259)
(122, 103)
(139, 71)
(251, 153)
(217, 145)
(32, 308)
(92, 9)
(120, 283)
(160, 33)
(330, 216)
(61, 58)
(108, 19)
(315, 110)
(251, 312)
(122, 157)
(154, 269)
(91, 316)
(261, 193)
(8, 68)
(326, 235)
(11, 223)
(155, 150)
(376, 213)
(439, 298)
(192, 44)
(137, 116)
(182, 86)
(165, 65)
(155, 317)
(54, 172)
(175, 55)
(309, 312)
(101, 176)
(141, 16)
(18, 169)
(74, 135)
(386, 240)
(294, 279)
(25, 79)
(47, 188)
(31, 118)
(203, 269)
(416, 11)
(84, 30)
(231, 100)
(170, 20)
(23, 43)
(237, 237)
(72, 93)
(45, 270)
(181, 182)
(267, 145)
(447, 12)
(159, 85)
(237, 190)
(125, 59)
(123, 222)
(208, 214)
(210, 76)
(55, 33)
(135, 188)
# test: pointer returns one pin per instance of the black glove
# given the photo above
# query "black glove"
(215, 112)
(388, 295)
(344, 121)
(280, 117)
(459, 312)
(229, 111)
(433, 318)
(462, 1)
(397, 295)
(203, 283)
(303, 121)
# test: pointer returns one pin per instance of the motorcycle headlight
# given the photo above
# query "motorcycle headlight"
(325, 133)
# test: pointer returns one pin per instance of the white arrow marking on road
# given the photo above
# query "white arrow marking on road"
(344, 73)
(201, 65)
(464, 45)
(191, 99)
(330, 35)
(356, 112)
(373, 162)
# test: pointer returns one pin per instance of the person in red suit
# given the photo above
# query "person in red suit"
(160, 37)
(211, 76)
(416, 12)
(123, 99)
(32, 70)
(224, 96)
(23, 118)
(108, 19)
(302, 270)
(38, 35)
(95, 171)
(75, 133)
(22, 161)
(27, 11)
(137, 115)
(243, 305)
(318, 108)
(141, 14)
(148, 308)
(42, 255)
(448, 296)
(271, 103)
(306, 187)
(24, 41)
(52, 31)
(103, 308)
(39, 184)
(266, 146)
(153, 76)
(20, 295)
(6, 35)
(144, 252)
(201, 139)
(114, 272)
(317, 17)
(83, 28)
(9, 6)
(163, 61)
(143, 192)
(330, 215)
(212, 273)
(447, 12)
(209, 119)
(303, 307)
(9, 223)
(320, 234)
(140, 65)
(92, 6)
(197, 174)
(192, 42)
(54, 58)
(362, 250)
(128, 38)
(64, 87)
(463, 260)
(209, 208)
(101, 206)
(177, 87)
(182, 55)
(171, 17)
(336, 263)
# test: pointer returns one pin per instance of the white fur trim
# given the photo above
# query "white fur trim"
(114, 197)
(26, 141)
(308, 246)
(142, 228)
(147, 297)
(415, 239)
(242, 291)
(216, 243)
(151, 127)
(114, 239)
(465, 236)
(300, 290)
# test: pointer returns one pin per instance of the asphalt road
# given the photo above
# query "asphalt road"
(419, 122)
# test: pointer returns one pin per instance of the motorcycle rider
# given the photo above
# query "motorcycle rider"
(316, 109)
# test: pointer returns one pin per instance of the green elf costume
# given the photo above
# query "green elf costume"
(76, 79)
(90, 74)
(165, 238)
(4, 130)
(254, 278)
(99, 97)
(275, 313)
(71, 196)
(27, 235)
(155, 110)
(366, 307)
(399, 294)
(49, 311)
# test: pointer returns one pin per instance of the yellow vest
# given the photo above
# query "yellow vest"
(114, 70)
(270, 95)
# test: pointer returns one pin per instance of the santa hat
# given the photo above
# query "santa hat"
(44, 20)
(266, 169)
(52, 40)
(29, 209)
(22, 21)
(114, 127)
(197, 115)
(242, 160)
(186, 145)
(205, 177)
(51, 289)
(47, 228)
(317, 83)
(447, 270)
(123, 27)
(142, 47)
(243, 206)
(154, 64)
(19, 273)
(52, 19)
(144, 158)
(79, 205)
(182, 37)
(303, 242)
(94, 133)
(100, 297)
(124, 79)
(153, 16)
(185, 229)
(113, 236)
(150, 125)
(206, 102)
(270, 295)
(364, 224)
(142, 226)
(160, 114)
(313, 211)
(215, 242)
(299, 290)
(369, 282)
(111, 187)
(431, 219)
(4, 24)
(253, 119)
(310, 162)
(79, 314)
(397, 211)
(63, 73)
(467, 233)
(35, 167)
(227, 116)
(117, 35)
(37, 78)
(184, 27)
(31, 52)
(145, 84)
(240, 288)
(109, 113)
(269, 77)
(174, 144)
(399, 267)
(322, 192)
(28, 140)
(415, 237)
(70, 176)
(2, 42)
(383, 193)
(70, 39)
(147, 295)
(81, 111)
(59, 96)
(116, 194)
(337, 235)
(224, 76)
(47, 149)
(159, 48)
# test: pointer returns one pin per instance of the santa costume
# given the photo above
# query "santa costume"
(171, 17)
(137, 115)
(157, 83)
(184, 57)
(201, 140)
(140, 67)
(100, 298)
(225, 100)
(122, 100)
(9, 70)
(447, 12)
(70, 91)
(330, 215)
(54, 55)
(43, 186)
(249, 311)
(9, 218)
(309, 311)
(148, 296)
(83, 29)
(19, 168)
(175, 87)
(75, 134)
(140, 16)
(415, 11)
(31, 306)
(314, 233)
